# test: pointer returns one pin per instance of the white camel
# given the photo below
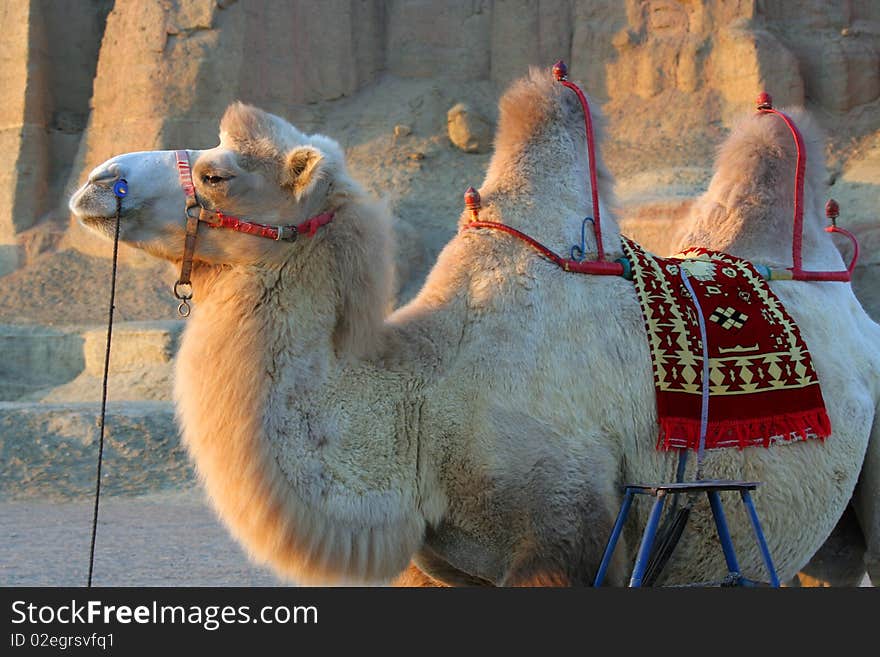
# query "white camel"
(484, 430)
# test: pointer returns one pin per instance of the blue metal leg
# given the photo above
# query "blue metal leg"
(723, 531)
(759, 536)
(615, 536)
(648, 540)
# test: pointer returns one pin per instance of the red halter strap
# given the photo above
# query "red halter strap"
(217, 219)
(183, 286)
(286, 233)
(184, 173)
(765, 106)
(560, 71)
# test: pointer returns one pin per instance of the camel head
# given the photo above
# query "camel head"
(264, 170)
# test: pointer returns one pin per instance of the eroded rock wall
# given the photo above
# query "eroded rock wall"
(671, 74)
(47, 64)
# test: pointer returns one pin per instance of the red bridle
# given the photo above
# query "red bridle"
(217, 219)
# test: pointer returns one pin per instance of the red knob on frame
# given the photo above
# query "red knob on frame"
(764, 101)
(560, 70)
(473, 202)
(832, 209)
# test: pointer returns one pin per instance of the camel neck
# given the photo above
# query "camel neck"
(300, 450)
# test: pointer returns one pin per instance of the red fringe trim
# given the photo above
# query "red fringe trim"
(684, 433)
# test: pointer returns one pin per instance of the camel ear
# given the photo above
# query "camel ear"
(303, 168)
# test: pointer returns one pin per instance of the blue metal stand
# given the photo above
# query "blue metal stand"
(711, 488)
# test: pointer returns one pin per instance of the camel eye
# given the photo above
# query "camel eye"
(213, 180)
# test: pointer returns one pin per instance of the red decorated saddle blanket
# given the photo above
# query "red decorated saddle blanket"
(763, 389)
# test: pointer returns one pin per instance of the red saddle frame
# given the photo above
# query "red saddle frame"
(601, 267)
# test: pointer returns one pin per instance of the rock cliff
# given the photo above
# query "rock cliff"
(94, 78)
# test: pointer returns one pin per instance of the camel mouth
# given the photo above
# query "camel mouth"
(92, 217)
(101, 225)
(93, 221)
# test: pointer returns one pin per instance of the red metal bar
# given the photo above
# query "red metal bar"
(840, 276)
(800, 168)
(595, 267)
(765, 106)
(560, 72)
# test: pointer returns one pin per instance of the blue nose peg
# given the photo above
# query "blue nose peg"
(120, 188)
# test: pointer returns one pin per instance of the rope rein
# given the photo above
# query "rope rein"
(120, 189)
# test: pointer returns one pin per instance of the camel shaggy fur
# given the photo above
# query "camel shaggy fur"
(748, 211)
(484, 429)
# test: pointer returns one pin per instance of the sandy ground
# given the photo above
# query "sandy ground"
(162, 539)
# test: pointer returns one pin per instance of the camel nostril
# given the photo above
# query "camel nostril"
(105, 175)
